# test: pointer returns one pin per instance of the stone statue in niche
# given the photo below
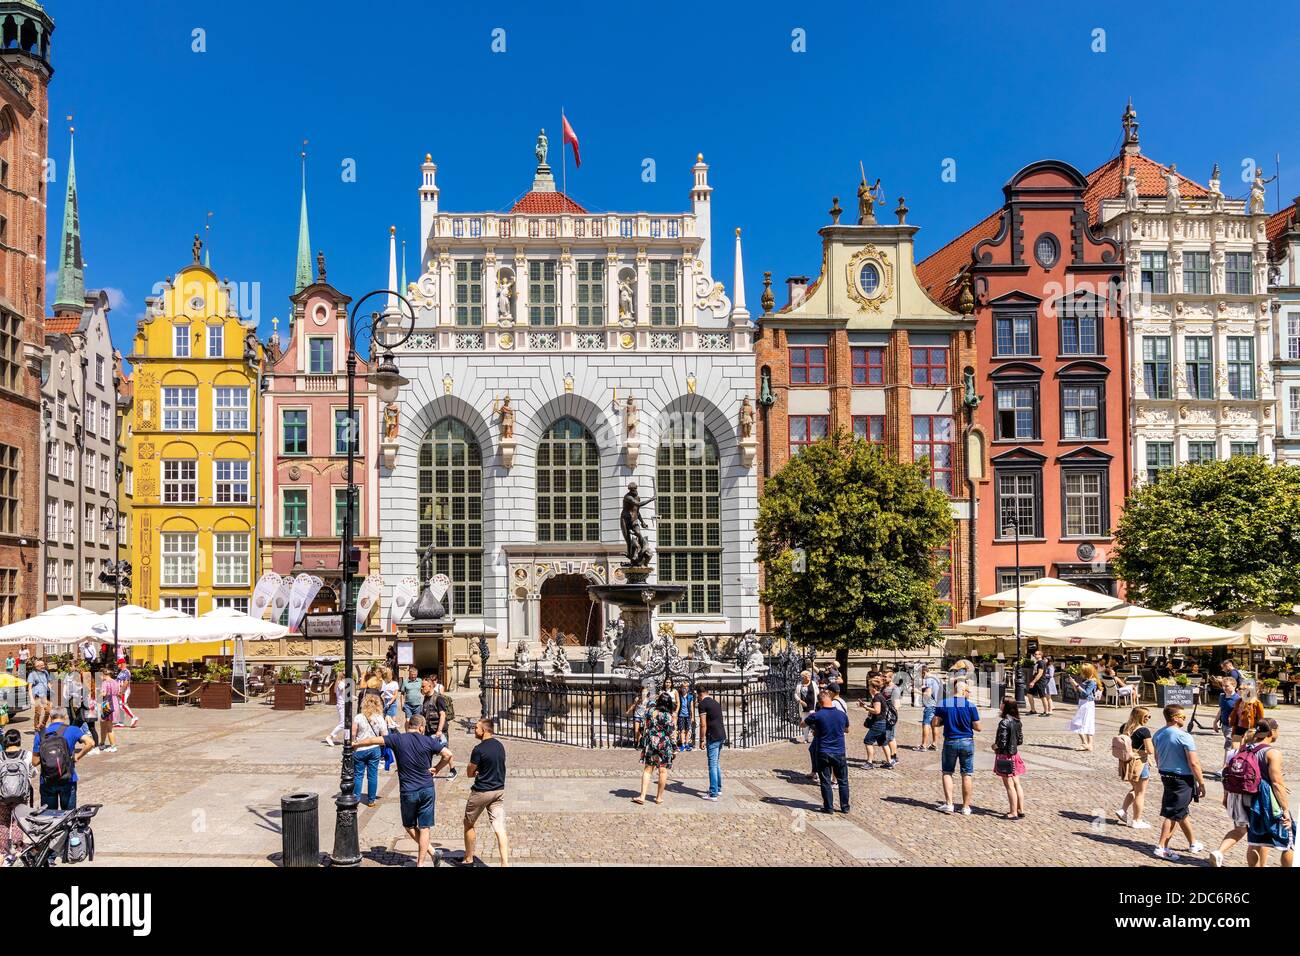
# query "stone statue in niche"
(506, 416)
(392, 427)
(746, 418)
(503, 298)
(624, 298)
(631, 417)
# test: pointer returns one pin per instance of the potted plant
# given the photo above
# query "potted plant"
(1268, 692)
(216, 693)
(144, 686)
(290, 692)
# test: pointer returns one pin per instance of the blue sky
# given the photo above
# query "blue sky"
(166, 134)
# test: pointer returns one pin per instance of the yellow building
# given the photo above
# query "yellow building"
(194, 511)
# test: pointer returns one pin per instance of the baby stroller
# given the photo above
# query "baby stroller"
(58, 836)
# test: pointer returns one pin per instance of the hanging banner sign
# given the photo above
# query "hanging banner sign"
(267, 586)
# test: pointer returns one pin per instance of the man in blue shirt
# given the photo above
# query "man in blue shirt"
(828, 724)
(61, 793)
(960, 720)
(415, 752)
(1228, 698)
(1180, 772)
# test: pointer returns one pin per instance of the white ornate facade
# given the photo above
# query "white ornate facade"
(569, 315)
(1199, 326)
(1284, 279)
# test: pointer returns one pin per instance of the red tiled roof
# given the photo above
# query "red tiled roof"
(548, 203)
(940, 270)
(62, 324)
(1280, 223)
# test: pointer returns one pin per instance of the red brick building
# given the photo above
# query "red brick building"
(1051, 379)
(865, 350)
(24, 79)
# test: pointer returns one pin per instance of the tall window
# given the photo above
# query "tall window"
(216, 341)
(868, 365)
(69, 523)
(869, 427)
(232, 408)
(1236, 273)
(451, 511)
(1293, 335)
(347, 426)
(1237, 449)
(687, 480)
(92, 415)
(1085, 503)
(52, 520)
(11, 349)
(1013, 333)
(663, 292)
(181, 340)
(231, 482)
(1017, 412)
(806, 429)
(932, 439)
(105, 411)
(89, 469)
(89, 529)
(1198, 353)
(568, 484)
(293, 430)
(69, 579)
(341, 513)
(807, 365)
(542, 295)
(469, 292)
(1196, 272)
(180, 481)
(180, 408)
(1293, 410)
(293, 513)
(943, 586)
(591, 291)
(69, 462)
(52, 459)
(1160, 458)
(8, 595)
(1199, 451)
(232, 563)
(1241, 366)
(180, 550)
(1081, 411)
(1020, 504)
(51, 576)
(320, 355)
(10, 486)
(1155, 273)
(930, 365)
(1080, 328)
(1155, 366)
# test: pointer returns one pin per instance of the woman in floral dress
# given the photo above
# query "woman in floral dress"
(657, 746)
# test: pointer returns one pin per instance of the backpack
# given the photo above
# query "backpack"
(1242, 774)
(890, 712)
(16, 779)
(1121, 747)
(451, 709)
(56, 758)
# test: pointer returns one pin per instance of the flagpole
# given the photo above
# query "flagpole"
(564, 167)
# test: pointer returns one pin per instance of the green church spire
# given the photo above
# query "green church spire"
(70, 293)
(303, 278)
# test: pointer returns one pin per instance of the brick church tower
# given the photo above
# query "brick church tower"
(25, 73)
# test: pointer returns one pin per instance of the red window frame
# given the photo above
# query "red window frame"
(799, 431)
(807, 365)
(924, 447)
(868, 364)
(870, 428)
(930, 364)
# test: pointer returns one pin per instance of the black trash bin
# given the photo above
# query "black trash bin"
(300, 829)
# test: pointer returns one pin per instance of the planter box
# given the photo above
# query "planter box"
(144, 695)
(290, 697)
(1268, 700)
(215, 696)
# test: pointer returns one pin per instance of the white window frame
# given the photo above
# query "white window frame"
(51, 576)
(232, 416)
(69, 523)
(88, 530)
(216, 336)
(69, 578)
(52, 520)
(239, 604)
(182, 479)
(181, 340)
(231, 560)
(180, 554)
(99, 370)
(92, 414)
(174, 402)
(186, 605)
(69, 463)
(232, 482)
(52, 451)
(104, 484)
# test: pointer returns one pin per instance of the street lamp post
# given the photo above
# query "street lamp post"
(388, 330)
(117, 572)
(1017, 683)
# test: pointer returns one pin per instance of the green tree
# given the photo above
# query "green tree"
(870, 527)
(1218, 535)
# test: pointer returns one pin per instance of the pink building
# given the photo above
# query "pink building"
(305, 429)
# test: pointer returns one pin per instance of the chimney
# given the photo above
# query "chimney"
(798, 288)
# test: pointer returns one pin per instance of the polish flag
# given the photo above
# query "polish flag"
(571, 137)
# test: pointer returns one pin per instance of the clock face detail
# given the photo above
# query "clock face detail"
(869, 279)
(196, 302)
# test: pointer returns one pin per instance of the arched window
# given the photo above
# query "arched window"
(688, 507)
(568, 484)
(451, 512)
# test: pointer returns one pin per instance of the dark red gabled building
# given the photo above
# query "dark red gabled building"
(1051, 378)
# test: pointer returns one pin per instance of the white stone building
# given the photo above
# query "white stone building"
(572, 315)
(1284, 278)
(1198, 318)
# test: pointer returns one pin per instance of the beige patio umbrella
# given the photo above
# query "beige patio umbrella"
(1033, 621)
(1051, 592)
(65, 624)
(1270, 630)
(1132, 626)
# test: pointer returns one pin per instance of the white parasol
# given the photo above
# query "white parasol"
(1051, 592)
(1132, 626)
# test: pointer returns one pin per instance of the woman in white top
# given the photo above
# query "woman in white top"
(369, 723)
(391, 691)
(342, 687)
